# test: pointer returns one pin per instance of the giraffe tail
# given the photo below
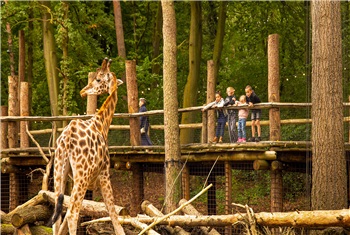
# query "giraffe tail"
(58, 210)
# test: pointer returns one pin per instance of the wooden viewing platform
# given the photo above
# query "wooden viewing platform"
(284, 151)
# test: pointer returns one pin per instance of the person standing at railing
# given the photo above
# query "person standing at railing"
(231, 114)
(144, 123)
(242, 119)
(253, 99)
(221, 116)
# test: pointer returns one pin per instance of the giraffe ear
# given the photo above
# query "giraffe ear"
(119, 82)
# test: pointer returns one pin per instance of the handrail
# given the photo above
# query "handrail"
(157, 112)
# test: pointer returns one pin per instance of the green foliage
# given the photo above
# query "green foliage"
(91, 37)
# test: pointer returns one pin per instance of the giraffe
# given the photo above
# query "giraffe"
(82, 151)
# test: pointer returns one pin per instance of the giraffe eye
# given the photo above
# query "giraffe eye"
(98, 80)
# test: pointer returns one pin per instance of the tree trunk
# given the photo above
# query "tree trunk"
(118, 21)
(329, 184)
(64, 65)
(171, 130)
(191, 87)
(157, 36)
(50, 58)
(219, 38)
(30, 60)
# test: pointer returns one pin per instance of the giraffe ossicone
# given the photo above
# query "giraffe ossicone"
(82, 151)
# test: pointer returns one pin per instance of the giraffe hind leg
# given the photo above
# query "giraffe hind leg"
(72, 215)
(107, 193)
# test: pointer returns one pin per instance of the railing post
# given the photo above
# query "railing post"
(275, 121)
(24, 111)
(210, 98)
(204, 127)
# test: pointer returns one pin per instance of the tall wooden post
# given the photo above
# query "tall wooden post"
(13, 137)
(274, 116)
(133, 107)
(228, 194)
(135, 137)
(91, 107)
(24, 111)
(91, 104)
(210, 98)
(186, 182)
(3, 143)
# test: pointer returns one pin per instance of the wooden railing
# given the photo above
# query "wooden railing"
(161, 112)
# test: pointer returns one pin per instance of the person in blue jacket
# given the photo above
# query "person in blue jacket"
(144, 123)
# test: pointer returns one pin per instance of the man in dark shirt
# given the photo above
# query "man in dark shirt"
(252, 99)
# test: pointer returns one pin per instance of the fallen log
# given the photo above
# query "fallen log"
(28, 215)
(151, 210)
(142, 226)
(24, 230)
(9, 229)
(299, 219)
(190, 210)
(88, 207)
(38, 199)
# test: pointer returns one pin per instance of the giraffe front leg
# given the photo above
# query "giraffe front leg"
(107, 193)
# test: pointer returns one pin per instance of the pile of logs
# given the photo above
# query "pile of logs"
(30, 218)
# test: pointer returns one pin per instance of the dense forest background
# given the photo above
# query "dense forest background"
(92, 36)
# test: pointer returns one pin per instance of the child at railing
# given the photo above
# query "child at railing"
(252, 99)
(242, 119)
(221, 116)
(231, 114)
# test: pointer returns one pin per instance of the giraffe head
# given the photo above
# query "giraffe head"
(105, 81)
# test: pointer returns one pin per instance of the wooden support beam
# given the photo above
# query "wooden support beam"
(228, 194)
(186, 182)
(276, 165)
(276, 191)
(137, 187)
(261, 165)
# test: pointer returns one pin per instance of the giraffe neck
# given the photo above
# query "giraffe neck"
(104, 116)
